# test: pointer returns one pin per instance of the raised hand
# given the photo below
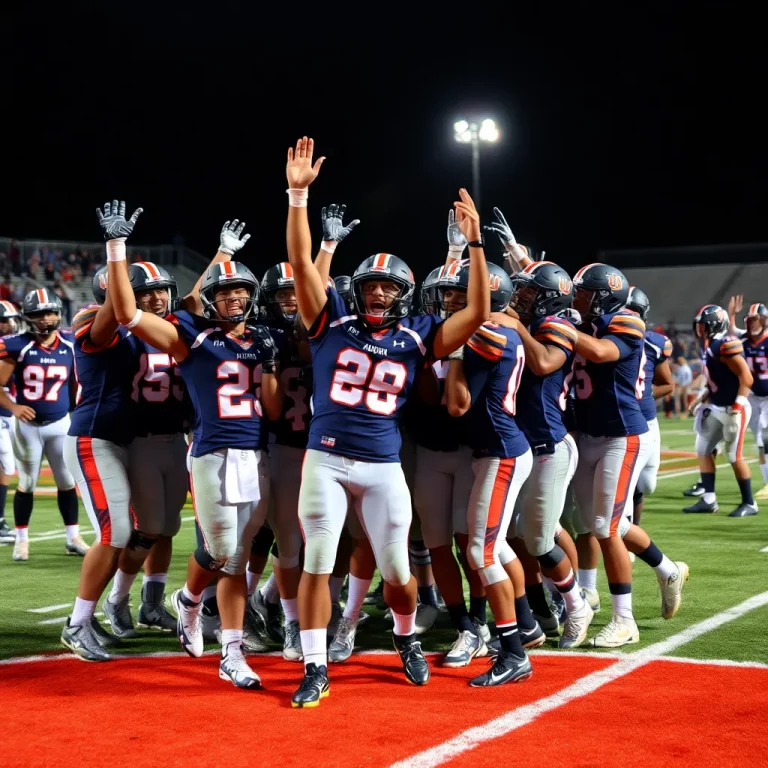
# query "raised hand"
(299, 169)
(467, 217)
(735, 305)
(333, 228)
(456, 240)
(230, 241)
(502, 229)
(112, 220)
(266, 345)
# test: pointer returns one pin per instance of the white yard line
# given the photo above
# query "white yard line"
(664, 475)
(49, 608)
(764, 549)
(517, 718)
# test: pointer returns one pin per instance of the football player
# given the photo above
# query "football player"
(9, 324)
(364, 366)
(482, 383)
(657, 383)
(230, 369)
(726, 411)
(544, 290)
(156, 464)
(613, 440)
(41, 361)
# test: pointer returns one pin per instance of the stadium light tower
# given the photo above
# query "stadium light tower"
(473, 132)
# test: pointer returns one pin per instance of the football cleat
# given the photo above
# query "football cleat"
(292, 645)
(483, 630)
(467, 646)
(549, 625)
(7, 535)
(155, 617)
(336, 613)
(592, 596)
(188, 626)
(672, 591)
(617, 632)
(506, 668)
(119, 615)
(426, 616)
(702, 507)
(414, 664)
(76, 547)
(210, 622)
(21, 551)
(576, 626)
(744, 510)
(82, 641)
(314, 686)
(697, 489)
(534, 637)
(343, 643)
(106, 640)
(761, 495)
(234, 667)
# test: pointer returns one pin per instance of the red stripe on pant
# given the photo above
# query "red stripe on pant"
(501, 485)
(88, 467)
(742, 431)
(625, 480)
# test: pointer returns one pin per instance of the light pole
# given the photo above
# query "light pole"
(473, 133)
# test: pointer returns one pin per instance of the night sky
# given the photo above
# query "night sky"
(618, 131)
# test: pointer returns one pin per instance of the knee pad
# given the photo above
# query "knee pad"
(637, 498)
(262, 541)
(206, 560)
(506, 554)
(551, 559)
(394, 566)
(140, 541)
(320, 554)
(492, 574)
(419, 553)
(624, 526)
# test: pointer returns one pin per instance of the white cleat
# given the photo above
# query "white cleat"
(292, 645)
(467, 646)
(592, 596)
(343, 642)
(77, 547)
(617, 632)
(762, 494)
(234, 667)
(672, 591)
(426, 616)
(189, 627)
(576, 626)
(21, 551)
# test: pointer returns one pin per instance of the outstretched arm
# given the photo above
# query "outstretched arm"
(308, 284)
(516, 255)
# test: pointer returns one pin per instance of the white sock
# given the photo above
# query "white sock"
(269, 591)
(208, 592)
(290, 609)
(121, 586)
(764, 470)
(313, 646)
(405, 624)
(189, 596)
(358, 589)
(253, 580)
(588, 578)
(709, 498)
(82, 612)
(335, 583)
(622, 605)
(72, 531)
(665, 568)
(22, 534)
(231, 637)
(162, 577)
(572, 597)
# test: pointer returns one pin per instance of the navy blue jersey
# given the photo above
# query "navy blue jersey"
(494, 359)
(292, 429)
(223, 377)
(657, 348)
(608, 394)
(41, 375)
(362, 379)
(104, 407)
(722, 383)
(543, 398)
(756, 353)
(159, 393)
(429, 424)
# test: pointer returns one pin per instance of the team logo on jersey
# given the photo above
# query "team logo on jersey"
(494, 282)
(614, 281)
(395, 343)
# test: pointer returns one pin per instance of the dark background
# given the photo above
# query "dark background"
(624, 128)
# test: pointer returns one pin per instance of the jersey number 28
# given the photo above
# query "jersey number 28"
(361, 381)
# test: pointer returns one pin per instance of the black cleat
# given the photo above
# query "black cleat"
(533, 638)
(744, 510)
(697, 489)
(314, 686)
(507, 668)
(702, 507)
(7, 535)
(414, 664)
(106, 640)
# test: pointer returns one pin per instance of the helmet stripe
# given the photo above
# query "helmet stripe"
(42, 296)
(228, 269)
(286, 270)
(754, 310)
(580, 274)
(381, 262)
(536, 264)
(150, 270)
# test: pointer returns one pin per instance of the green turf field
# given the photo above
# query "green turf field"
(724, 556)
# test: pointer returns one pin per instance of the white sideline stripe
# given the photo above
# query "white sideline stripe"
(764, 549)
(521, 716)
(49, 608)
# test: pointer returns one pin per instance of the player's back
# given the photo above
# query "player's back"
(608, 394)
(657, 348)
(494, 359)
(722, 383)
(104, 407)
(362, 379)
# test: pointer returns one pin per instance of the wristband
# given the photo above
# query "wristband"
(135, 320)
(476, 243)
(116, 249)
(456, 249)
(297, 198)
(329, 245)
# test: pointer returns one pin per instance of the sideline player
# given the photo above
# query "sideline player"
(364, 366)
(41, 361)
(9, 324)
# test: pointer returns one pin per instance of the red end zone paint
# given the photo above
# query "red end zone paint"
(121, 713)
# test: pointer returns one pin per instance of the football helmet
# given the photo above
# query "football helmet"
(759, 311)
(542, 288)
(343, 285)
(39, 302)
(277, 278)
(638, 302)
(501, 287)
(710, 321)
(9, 314)
(228, 274)
(99, 285)
(383, 266)
(146, 276)
(599, 289)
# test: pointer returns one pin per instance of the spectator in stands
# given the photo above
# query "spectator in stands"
(65, 294)
(6, 289)
(683, 380)
(14, 255)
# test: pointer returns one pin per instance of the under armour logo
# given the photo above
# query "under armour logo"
(401, 343)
